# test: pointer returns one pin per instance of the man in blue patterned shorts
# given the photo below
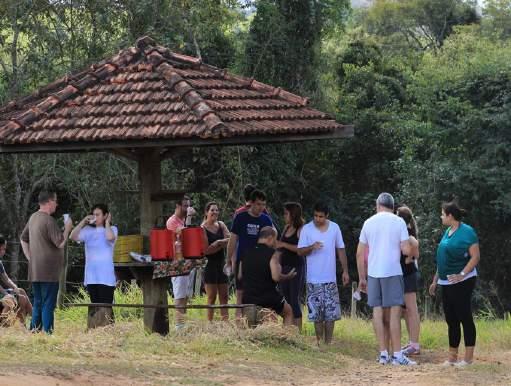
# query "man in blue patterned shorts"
(321, 241)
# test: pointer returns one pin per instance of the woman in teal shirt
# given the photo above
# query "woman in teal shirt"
(457, 257)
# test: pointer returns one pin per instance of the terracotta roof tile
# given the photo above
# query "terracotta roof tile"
(147, 91)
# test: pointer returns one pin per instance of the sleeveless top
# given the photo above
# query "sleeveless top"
(212, 237)
(408, 268)
(258, 283)
(288, 258)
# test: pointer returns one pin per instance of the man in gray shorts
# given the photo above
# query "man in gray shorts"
(386, 236)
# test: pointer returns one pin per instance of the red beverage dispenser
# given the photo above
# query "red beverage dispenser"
(193, 242)
(161, 242)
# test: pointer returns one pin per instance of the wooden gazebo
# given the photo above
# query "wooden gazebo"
(144, 104)
(147, 101)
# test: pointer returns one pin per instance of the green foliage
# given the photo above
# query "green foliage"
(498, 17)
(458, 145)
(284, 39)
(426, 86)
(420, 24)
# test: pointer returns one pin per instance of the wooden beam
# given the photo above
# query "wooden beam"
(168, 306)
(126, 153)
(170, 152)
(63, 147)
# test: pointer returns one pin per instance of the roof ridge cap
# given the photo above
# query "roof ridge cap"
(215, 127)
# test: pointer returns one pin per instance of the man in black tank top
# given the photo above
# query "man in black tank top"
(261, 270)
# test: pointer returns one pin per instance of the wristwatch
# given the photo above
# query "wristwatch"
(462, 273)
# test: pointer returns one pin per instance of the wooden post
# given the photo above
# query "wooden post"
(63, 278)
(99, 317)
(155, 292)
(354, 287)
(149, 175)
(251, 313)
(426, 306)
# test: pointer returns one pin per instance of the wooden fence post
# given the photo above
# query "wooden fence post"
(251, 313)
(426, 307)
(63, 278)
(354, 287)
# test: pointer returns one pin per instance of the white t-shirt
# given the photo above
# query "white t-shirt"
(321, 262)
(99, 255)
(383, 233)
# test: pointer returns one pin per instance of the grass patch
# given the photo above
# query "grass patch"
(187, 356)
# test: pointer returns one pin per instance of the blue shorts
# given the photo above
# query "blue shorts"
(323, 302)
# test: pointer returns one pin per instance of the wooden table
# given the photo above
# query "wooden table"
(154, 292)
(155, 295)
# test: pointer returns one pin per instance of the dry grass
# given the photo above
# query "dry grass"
(220, 352)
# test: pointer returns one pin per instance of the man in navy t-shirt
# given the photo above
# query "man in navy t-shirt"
(244, 233)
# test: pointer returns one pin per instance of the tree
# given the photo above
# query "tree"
(284, 38)
(423, 24)
(458, 145)
(498, 17)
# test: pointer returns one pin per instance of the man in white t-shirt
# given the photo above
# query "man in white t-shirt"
(386, 236)
(321, 241)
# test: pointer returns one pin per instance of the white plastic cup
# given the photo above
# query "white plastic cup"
(66, 217)
(357, 296)
(92, 221)
(227, 270)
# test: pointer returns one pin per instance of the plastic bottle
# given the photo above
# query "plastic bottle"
(190, 212)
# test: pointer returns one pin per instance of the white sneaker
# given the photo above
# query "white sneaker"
(383, 360)
(403, 361)
(462, 364)
(448, 363)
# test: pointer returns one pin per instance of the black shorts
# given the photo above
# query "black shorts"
(275, 302)
(214, 272)
(411, 282)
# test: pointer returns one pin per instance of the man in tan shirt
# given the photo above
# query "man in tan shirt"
(43, 243)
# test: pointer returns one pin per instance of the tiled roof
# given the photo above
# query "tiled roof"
(149, 92)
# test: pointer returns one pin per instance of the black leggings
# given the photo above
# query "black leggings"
(100, 293)
(456, 300)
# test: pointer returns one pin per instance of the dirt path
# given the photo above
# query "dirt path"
(487, 371)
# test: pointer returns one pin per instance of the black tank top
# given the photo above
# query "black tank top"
(256, 273)
(408, 268)
(212, 237)
(288, 258)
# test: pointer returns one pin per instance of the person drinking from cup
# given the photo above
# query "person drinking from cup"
(182, 286)
(43, 244)
(98, 235)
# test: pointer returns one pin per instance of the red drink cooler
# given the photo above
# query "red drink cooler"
(162, 244)
(193, 242)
